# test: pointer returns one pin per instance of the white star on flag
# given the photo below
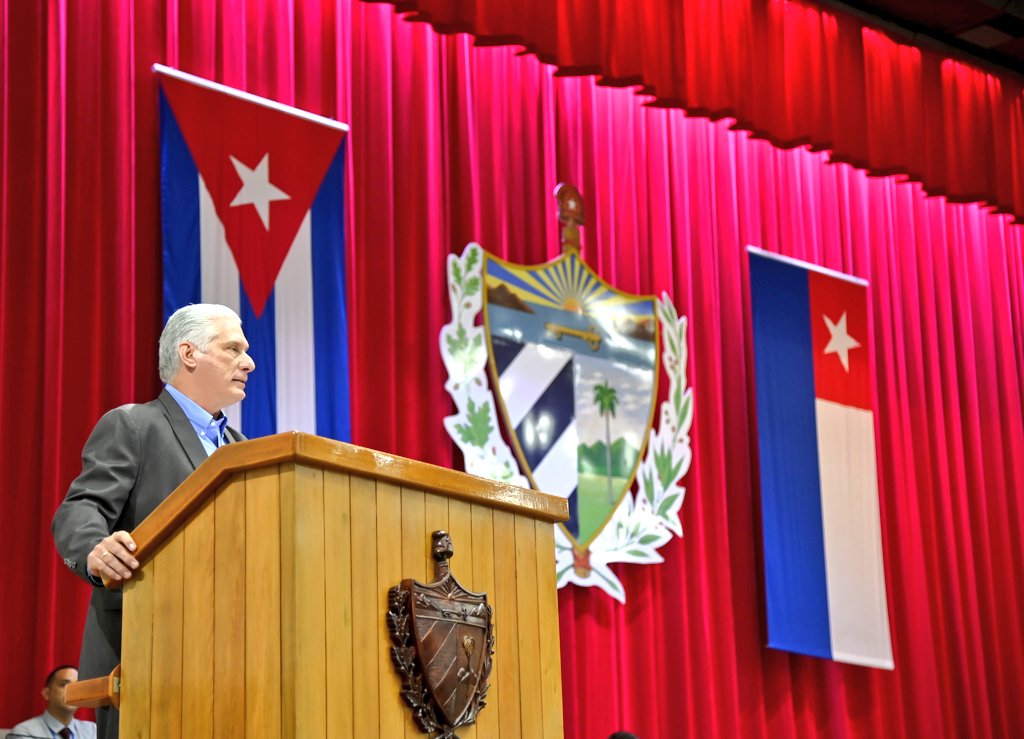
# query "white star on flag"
(840, 342)
(257, 189)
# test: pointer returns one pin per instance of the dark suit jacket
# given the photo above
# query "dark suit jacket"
(134, 458)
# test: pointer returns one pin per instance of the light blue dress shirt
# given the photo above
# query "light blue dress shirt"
(47, 726)
(210, 430)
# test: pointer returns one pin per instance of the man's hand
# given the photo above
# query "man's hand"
(112, 558)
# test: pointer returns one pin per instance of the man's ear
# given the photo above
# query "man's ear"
(187, 355)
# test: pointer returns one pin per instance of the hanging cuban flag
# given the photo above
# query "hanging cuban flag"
(253, 204)
(824, 575)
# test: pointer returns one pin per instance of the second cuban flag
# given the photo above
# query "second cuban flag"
(824, 574)
(253, 218)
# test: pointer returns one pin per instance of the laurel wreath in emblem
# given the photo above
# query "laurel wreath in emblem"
(403, 655)
(644, 521)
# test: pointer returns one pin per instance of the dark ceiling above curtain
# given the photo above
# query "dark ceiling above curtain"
(791, 73)
(990, 30)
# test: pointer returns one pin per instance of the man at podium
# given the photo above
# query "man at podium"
(136, 455)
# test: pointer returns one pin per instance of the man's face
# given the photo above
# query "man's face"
(223, 369)
(54, 692)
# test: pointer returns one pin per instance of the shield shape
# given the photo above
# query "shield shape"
(574, 364)
(451, 627)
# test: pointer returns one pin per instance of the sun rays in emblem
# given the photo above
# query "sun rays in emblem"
(568, 284)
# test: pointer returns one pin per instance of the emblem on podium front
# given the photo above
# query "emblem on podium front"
(569, 366)
(443, 642)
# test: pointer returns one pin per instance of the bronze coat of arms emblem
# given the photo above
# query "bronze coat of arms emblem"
(443, 641)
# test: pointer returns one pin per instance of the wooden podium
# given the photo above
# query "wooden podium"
(259, 610)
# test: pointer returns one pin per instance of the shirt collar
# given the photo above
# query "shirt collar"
(54, 725)
(198, 415)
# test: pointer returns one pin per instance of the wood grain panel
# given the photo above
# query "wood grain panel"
(460, 527)
(338, 594)
(168, 623)
(303, 551)
(415, 548)
(393, 711)
(310, 608)
(197, 656)
(204, 483)
(529, 627)
(431, 478)
(137, 654)
(547, 611)
(435, 517)
(286, 492)
(229, 717)
(505, 686)
(415, 565)
(295, 447)
(365, 614)
(482, 522)
(263, 601)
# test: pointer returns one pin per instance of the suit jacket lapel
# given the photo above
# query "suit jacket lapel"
(183, 430)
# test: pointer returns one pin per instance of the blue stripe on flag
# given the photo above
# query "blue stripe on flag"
(259, 409)
(794, 549)
(330, 321)
(179, 195)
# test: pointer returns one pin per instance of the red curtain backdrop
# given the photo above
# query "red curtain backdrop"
(787, 71)
(452, 143)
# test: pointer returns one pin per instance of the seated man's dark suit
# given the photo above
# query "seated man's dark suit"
(134, 458)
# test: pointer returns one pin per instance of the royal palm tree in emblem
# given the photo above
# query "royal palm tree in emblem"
(607, 400)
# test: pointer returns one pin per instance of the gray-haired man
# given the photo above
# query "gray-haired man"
(136, 455)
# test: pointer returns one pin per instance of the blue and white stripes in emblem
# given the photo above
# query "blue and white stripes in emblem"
(537, 388)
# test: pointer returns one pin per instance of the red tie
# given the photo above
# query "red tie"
(65, 733)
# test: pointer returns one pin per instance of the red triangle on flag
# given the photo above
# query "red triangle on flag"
(262, 167)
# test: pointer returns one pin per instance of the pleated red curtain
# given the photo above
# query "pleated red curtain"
(452, 143)
(788, 71)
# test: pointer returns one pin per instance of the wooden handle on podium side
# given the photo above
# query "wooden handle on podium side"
(96, 693)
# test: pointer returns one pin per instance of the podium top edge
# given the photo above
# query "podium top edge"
(296, 447)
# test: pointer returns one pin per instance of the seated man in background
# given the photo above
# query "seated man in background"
(58, 720)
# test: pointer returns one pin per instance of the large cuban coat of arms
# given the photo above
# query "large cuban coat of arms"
(571, 365)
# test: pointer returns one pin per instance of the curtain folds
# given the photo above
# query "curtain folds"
(789, 72)
(453, 143)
